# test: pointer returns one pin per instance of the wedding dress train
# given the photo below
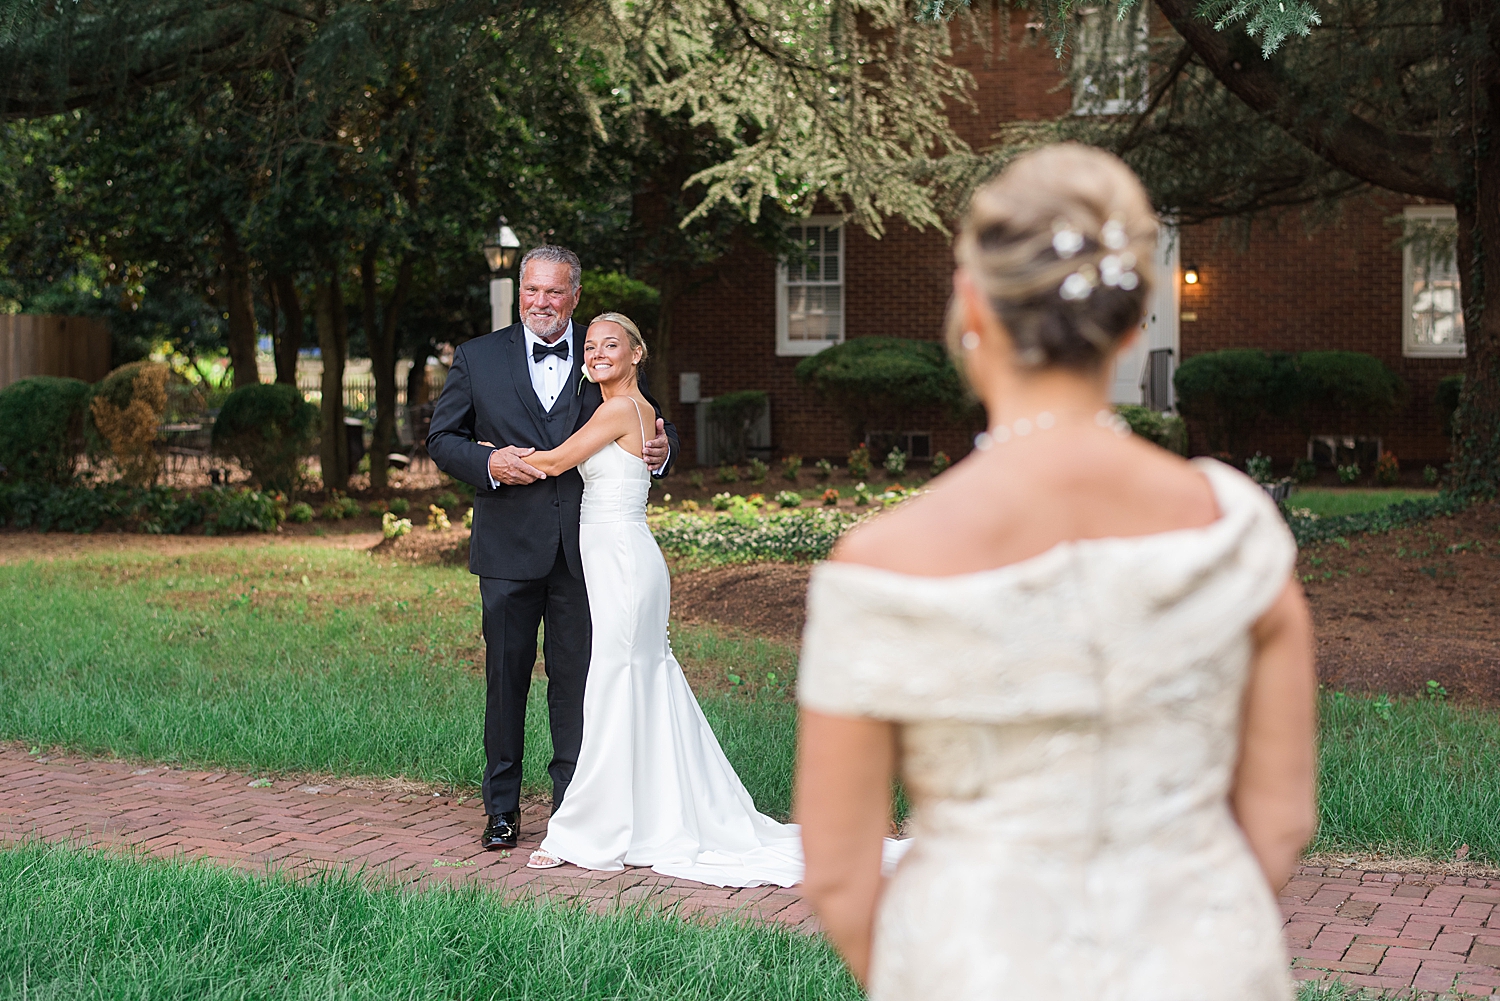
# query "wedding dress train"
(652, 786)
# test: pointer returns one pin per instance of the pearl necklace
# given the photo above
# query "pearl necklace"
(1044, 421)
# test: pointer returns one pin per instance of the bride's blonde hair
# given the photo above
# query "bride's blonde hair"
(632, 332)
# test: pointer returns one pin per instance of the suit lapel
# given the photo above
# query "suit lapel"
(520, 375)
(572, 394)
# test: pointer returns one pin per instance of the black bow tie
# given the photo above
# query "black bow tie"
(540, 351)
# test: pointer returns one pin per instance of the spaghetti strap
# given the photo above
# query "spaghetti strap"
(640, 421)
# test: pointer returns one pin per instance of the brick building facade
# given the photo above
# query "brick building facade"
(1285, 288)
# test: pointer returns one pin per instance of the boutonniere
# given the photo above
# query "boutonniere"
(582, 378)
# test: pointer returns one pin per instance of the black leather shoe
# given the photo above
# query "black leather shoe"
(502, 831)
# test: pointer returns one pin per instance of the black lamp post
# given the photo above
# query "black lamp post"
(500, 251)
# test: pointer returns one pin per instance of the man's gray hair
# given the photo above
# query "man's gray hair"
(551, 253)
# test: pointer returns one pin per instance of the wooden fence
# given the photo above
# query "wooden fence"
(74, 346)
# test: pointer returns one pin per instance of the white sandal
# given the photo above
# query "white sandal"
(541, 860)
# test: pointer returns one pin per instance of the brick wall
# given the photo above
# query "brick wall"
(1336, 288)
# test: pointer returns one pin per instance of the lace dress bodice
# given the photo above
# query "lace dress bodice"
(1068, 731)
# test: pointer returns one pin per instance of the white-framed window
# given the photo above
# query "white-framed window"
(1110, 70)
(810, 288)
(1432, 316)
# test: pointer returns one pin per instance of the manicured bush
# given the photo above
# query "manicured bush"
(41, 426)
(154, 510)
(612, 292)
(802, 534)
(242, 510)
(1230, 391)
(125, 416)
(884, 378)
(267, 428)
(1350, 388)
(1166, 430)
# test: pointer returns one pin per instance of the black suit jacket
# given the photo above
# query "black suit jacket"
(488, 396)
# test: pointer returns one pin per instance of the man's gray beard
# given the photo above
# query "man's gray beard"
(559, 324)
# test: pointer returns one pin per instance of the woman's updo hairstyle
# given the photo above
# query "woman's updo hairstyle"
(1062, 244)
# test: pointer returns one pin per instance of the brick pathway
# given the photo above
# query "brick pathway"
(1412, 935)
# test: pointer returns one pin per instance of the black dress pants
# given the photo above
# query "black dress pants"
(512, 611)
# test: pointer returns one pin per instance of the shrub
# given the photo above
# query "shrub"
(611, 291)
(1430, 475)
(1384, 519)
(400, 505)
(756, 501)
(1348, 474)
(241, 510)
(830, 497)
(884, 377)
(895, 462)
(1449, 389)
(1229, 392)
(126, 413)
(469, 518)
(300, 512)
(790, 467)
(1166, 430)
(861, 495)
(940, 462)
(1258, 467)
(690, 506)
(340, 507)
(1304, 470)
(446, 499)
(1387, 469)
(789, 498)
(377, 508)
(728, 474)
(1349, 387)
(267, 428)
(859, 462)
(437, 519)
(393, 527)
(721, 502)
(41, 426)
(758, 471)
(824, 468)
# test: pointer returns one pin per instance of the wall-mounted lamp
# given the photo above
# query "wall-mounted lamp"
(1190, 275)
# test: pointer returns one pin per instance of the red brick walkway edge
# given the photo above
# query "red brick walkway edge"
(1404, 934)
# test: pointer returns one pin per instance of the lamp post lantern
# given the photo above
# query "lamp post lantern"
(500, 253)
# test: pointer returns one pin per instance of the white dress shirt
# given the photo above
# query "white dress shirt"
(549, 377)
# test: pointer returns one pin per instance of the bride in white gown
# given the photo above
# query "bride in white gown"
(653, 787)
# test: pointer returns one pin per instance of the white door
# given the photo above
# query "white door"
(1159, 330)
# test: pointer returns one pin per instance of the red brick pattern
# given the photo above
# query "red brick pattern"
(1391, 931)
(414, 838)
(1427, 934)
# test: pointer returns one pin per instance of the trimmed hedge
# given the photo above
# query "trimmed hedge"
(268, 427)
(153, 510)
(41, 422)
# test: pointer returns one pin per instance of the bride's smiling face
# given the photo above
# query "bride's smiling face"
(607, 354)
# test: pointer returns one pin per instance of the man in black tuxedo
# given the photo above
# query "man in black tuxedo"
(523, 388)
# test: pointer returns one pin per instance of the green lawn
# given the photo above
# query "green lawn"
(366, 668)
(303, 659)
(1326, 502)
(77, 925)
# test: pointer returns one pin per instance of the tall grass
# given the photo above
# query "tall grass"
(76, 925)
(233, 661)
(1413, 776)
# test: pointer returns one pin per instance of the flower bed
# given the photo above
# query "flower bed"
(800, 534)
(1308, 527)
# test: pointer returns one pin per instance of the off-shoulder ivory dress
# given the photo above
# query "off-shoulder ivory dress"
(1068, 731)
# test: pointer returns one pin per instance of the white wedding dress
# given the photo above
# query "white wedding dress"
(1067, 727)
(652, 786)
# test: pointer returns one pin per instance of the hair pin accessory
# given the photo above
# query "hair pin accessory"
(1114, 236)
(1066, 240)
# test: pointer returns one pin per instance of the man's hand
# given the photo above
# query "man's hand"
(658, 449)
(508, 466)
